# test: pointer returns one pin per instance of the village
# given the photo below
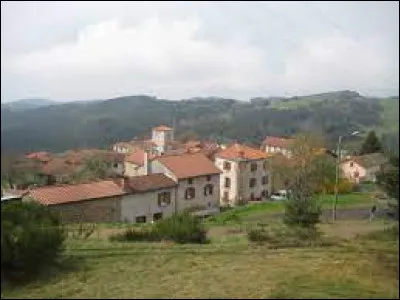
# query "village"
(151, 179)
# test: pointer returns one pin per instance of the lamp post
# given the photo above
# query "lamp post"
(338, 155)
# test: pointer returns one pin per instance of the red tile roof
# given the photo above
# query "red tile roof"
(52, 195)
(238, 151)
(189, 165)
(136, 157)
(149, 182)
(162, 128)
(274, 141)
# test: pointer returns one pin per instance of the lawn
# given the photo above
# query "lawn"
(263, 209)
(228, 267)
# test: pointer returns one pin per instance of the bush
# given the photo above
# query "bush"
(280, 236)
(180, 228)
(135, 235)
(31, 238)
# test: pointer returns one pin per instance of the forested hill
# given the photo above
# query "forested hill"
(101, 123)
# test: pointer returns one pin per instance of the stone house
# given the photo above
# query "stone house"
(87, 202)
(246, 175)
(150, 198)
(197, 178)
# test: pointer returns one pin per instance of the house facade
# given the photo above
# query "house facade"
(363, 168)
(197, 181)
(92, 202)
(245, 175)
(150, 198)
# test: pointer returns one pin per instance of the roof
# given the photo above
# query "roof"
(42, 156)
(52, 195)
(136, 157)
(238, 151)
(274, 141)
(163, 128)
(189, 165)
(370, 160)
(149, 182)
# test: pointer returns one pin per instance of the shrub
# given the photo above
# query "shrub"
(280, 236)
(180, 228)
(31, 238)
(135, 235)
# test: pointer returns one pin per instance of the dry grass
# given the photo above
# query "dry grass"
(229, 267)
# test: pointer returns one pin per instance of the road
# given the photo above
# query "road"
(342, 214)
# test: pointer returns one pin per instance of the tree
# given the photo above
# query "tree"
(306, 174)
(388, 180)
(371, 144)
(94, 167)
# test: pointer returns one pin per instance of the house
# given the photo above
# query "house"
(363, 168)
(197, 179)
(272, 144)
(137, 163)
(246, 175)
(162, 136)
(150, 198)
(87, 202)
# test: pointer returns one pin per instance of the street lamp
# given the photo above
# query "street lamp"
(337, 171)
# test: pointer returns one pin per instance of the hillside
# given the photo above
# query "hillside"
(25, 104)
(101, 123)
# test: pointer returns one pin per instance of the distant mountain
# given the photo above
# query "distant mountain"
(103, 122)
(25, 104)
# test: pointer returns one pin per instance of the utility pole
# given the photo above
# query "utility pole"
(338, 155)
(337, 178)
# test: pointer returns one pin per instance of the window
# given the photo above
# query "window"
(227, 182)
(252, 196)
(227, 166)
(208, 189)
(115, 165)
(265, 179)
(190, 181)
(356, 174)
(264, 194)
(208, 177)
(141, 219)
(253, 167)
(351, 164)
(164, 198)
(265, 165)
(157, 216)
(252, 182)
(226, 196)
(190, 193)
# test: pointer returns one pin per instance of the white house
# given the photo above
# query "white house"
(149, 198)
(197, 178)
(162, 136)
(273, 145)
(363, 168)
(246, 175)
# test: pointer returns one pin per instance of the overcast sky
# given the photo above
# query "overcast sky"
(95, 50)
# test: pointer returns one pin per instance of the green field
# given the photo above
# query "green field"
(228, 267)
(355, 265)
(260, 210)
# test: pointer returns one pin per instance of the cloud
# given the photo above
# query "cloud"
(162, 57)
(340, 62)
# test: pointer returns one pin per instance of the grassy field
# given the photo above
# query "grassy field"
(228, 267)
(259, 210)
